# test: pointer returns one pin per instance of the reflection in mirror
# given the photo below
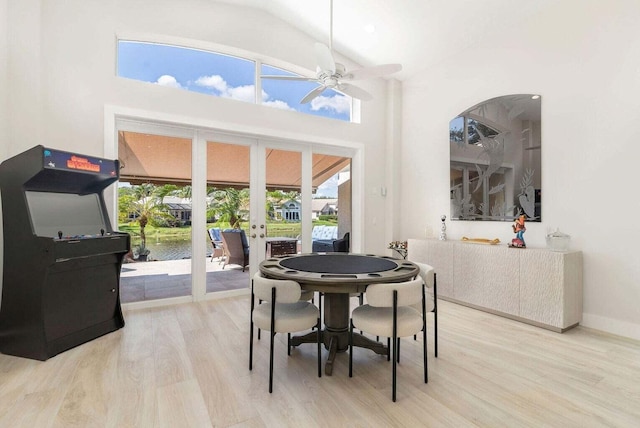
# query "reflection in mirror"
(495, 151)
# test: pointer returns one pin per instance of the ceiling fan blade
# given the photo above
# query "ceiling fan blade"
(355, 92)
(281, 77)
(324, 58)
(372, 72)
(312, 94)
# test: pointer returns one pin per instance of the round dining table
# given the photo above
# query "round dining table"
(337, 276)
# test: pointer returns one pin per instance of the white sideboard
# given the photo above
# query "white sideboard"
(536, 286)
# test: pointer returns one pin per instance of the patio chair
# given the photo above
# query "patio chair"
(341, 245)
(236, 248)
(216, 242)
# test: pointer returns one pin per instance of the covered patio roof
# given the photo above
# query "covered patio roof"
(158, 159)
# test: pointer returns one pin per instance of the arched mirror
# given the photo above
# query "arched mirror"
(495, 159)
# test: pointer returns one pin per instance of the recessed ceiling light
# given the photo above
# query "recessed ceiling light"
(535, 97)
(370, 28)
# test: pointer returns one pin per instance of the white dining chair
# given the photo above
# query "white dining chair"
(429, 277)
(305, 295)
(280, 311)
(389, 312)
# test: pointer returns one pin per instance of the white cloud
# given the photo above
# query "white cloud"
(337, 103)
(242, 93)
(170, 81)
(223, 89)
(215, 82)
(282, 105)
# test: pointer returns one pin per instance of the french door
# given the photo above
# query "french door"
(271, 188)
(281, 179)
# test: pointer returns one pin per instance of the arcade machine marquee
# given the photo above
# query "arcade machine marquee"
(62, 258)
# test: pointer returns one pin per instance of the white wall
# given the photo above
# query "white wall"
(583, 57)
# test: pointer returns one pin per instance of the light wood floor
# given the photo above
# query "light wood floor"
(187, 366)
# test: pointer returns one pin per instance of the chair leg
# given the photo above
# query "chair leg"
(319, 305)
(251, 346)
(350, 348)
(424, 336)
(424, 354)
(251, 330)
(395, 344)
(435, 312)
(319, 349)
(289, 344)
(272, 334)
(393, 375)
(259, 302)
(435, 331)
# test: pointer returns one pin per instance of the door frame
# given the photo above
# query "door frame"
(200, 130)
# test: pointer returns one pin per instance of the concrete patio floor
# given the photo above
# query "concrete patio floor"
(141, 281)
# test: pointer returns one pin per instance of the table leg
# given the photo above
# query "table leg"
(336, 319)
(333, 347)
(335, 334)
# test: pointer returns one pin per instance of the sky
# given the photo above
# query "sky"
(329, 188)
(224, 76)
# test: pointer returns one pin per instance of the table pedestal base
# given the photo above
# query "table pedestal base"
(335, 335)
(331, 342)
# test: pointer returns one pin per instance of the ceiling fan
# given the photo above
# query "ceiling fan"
(332, 75)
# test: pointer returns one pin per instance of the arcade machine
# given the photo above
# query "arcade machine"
(62, 258)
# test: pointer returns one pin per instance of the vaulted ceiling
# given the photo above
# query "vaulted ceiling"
(414, 33)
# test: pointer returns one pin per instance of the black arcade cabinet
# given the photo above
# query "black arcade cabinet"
(62, 258)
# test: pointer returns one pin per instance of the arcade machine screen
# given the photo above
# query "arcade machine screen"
(73, 215)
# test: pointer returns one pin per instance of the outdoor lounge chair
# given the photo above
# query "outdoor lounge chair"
(216, 242)
(236, 248)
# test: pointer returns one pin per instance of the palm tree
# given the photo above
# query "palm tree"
(230, 205)
(145, 202)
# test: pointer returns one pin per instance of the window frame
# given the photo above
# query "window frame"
(256, 60)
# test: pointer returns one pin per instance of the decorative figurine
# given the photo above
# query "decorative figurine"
(443, 228)
(519, 229)
(399, 247)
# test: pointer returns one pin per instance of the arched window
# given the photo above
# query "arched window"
(223, 75)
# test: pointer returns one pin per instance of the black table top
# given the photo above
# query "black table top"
(332, 269)
(338, 264)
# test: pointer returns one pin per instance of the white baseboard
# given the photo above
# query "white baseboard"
(610, 325)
